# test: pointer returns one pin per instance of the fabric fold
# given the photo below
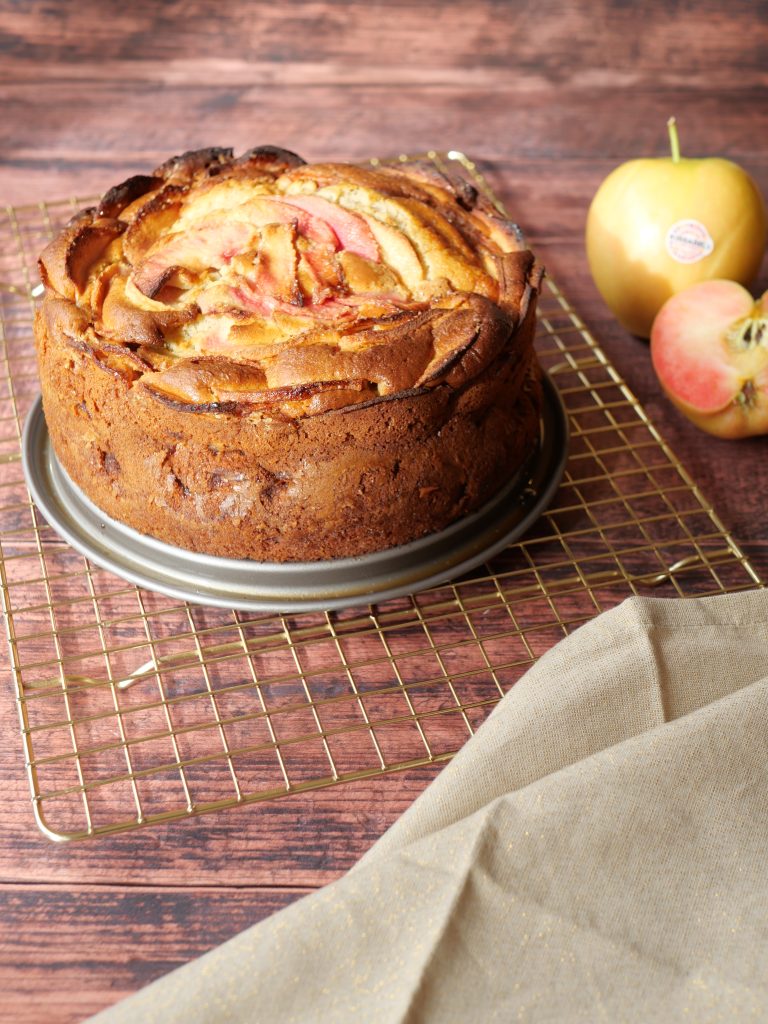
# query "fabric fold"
(597, 851)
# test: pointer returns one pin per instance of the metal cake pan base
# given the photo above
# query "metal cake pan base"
(296, 586)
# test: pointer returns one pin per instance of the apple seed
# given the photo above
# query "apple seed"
(748, 333)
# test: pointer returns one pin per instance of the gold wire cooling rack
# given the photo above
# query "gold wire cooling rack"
(137, 708)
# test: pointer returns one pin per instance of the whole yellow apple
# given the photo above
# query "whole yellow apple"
(659, 225)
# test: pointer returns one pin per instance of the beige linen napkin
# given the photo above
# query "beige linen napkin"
(597, 852)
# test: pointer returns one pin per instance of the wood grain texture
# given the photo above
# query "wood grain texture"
(549, 97)
(524, 80)
(98, 944)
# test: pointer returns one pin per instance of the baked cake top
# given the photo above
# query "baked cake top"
(264, 285)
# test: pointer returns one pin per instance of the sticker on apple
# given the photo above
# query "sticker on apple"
(688, 241)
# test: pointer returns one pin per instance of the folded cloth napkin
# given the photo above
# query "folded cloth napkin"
(598, 851)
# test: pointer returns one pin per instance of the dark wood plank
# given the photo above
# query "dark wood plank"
(557, 39)
(544, 80)
(75, 952)
(534, 129)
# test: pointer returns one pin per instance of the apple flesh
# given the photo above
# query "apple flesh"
(709, 348)
(351, 231)
(657, 226)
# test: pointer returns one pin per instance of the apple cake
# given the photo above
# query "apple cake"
(260, 358)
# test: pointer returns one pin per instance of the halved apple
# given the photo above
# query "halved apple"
(709, 348)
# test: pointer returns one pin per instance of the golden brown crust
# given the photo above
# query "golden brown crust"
(260, 358)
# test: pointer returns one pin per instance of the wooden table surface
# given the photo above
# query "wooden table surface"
(548, 96)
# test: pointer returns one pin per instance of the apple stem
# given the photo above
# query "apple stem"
(674, 141)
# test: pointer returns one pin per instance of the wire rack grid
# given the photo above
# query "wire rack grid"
(137, 708)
